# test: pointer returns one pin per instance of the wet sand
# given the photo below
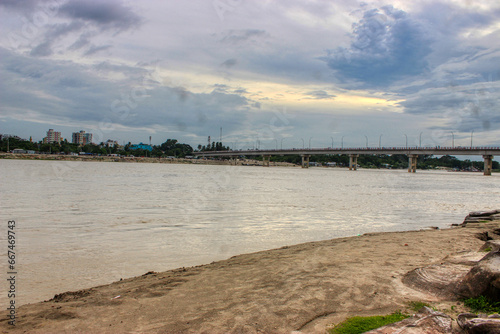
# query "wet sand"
(303, 288)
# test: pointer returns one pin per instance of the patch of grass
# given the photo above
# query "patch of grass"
(416, 306)
(487, 249)
(482, 304)
(357, 325)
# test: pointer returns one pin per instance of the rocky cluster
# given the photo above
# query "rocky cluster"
(479, 216)
(468, 274)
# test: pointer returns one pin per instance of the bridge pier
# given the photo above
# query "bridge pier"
(488, 164)
(353, 161)
(412, 164)
(265, 160)
(412, 153)
(305, 161)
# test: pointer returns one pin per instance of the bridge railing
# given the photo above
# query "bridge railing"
(392, 148)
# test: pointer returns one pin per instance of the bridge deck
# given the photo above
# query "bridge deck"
(369, 150)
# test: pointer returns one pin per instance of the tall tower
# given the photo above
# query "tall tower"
(209, 141)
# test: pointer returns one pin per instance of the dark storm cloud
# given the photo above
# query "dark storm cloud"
(52, 34)
(182, 93)
(49, 90)
(241, 91)
(319, 95)
(42, 50)
(170, 107)
(21, 6)
(386, 45)
(464, 80)
(450, 19)
(69, 94)
(243, 35)
(58, 30)
(220, 88)
(137, 73)
(229, 63)
(257, 105)
(81, 42)
(465, 107)
(85, 20)
(94, 49)
(105, 14)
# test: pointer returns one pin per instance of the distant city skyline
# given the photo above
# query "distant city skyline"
(267, 72)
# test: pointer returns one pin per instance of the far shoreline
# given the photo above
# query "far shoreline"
(87, 158)
(192, 161)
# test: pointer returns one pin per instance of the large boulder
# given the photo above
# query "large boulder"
(482, 279)
(478, 216)
(490, 245)
(483, 213)
(426, 321)
(439, 279)
(479, 324)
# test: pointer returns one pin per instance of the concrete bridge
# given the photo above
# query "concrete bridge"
(412, 152)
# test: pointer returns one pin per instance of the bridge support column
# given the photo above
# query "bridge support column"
(305, 161)
(412, 163)
(265, 160)
(488, 164)
(353, 161)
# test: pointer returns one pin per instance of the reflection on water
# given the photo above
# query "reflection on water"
(82, 224)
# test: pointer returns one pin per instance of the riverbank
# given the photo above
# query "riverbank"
(304, 287)
(129, 159)
(170, 160)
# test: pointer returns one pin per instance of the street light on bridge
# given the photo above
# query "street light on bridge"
(452, 139)
(332, 142)
(303, 145)
(471, 134)
(366, 141)
(406, 141)
(310, 142)
(420, 140)
(342, 143)
(282, 143)
(380, 141)
(276, 140)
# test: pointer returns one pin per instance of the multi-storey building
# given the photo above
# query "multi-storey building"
(111, 143)
(52, 137)
(81, 138)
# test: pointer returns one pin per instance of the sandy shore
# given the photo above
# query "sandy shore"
(299, 288)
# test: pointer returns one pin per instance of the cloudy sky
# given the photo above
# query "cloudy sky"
(270, 73)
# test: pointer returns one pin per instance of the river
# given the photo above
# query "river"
(81, 224)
